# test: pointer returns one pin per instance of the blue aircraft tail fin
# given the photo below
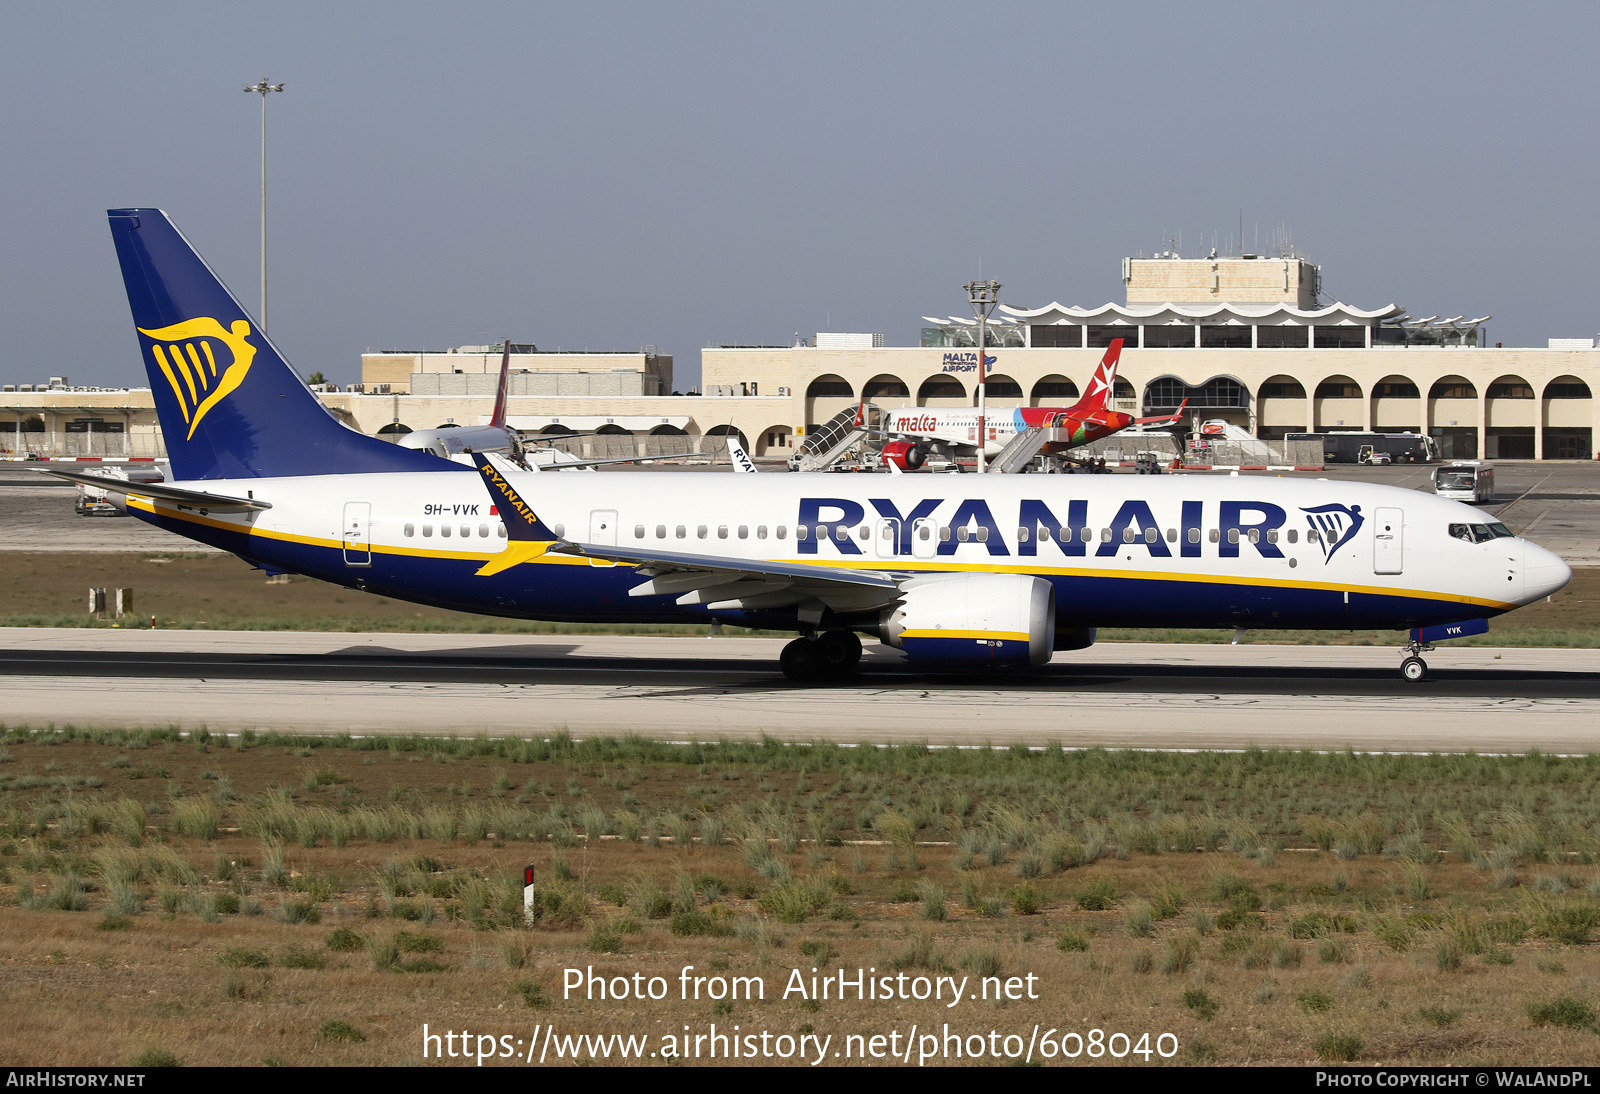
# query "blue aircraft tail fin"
(229, 404)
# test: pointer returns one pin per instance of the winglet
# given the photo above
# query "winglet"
(1104, 381)
(498, 418)
(527, 536)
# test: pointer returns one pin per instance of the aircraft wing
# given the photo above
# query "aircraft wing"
(190, 499)
(665, 562)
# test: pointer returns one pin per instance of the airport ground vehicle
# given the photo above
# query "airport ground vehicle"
(92, 500)
(1345, 447)
(955, 572)
(1465, 480)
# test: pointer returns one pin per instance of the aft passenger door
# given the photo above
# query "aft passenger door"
(602, 530)
(1388, 542)
(357, 533)
(925, 538)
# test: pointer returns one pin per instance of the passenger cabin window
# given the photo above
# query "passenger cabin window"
(1151, 535)
(661, 531)
(700, 532)
(427, 529)
(483, 531)
(1022, 533)
(1172, 535)
(1233, 535)
(744, 531)
(1194, 535)
(500, 530)
(560, 531)
(1272, 535)
(863, 532)
(722, 531)
(1255, 535)
(1216, 536)
(841, 533)
(411, 530)
(466, 531)
(962, 534)
(681, 531)
(638, 531)
(944, 533)
(1085, 535)
(444, 530)
(1313, 536)
(761, 531)
(800, 532)
(782, 531)
(1293, 535)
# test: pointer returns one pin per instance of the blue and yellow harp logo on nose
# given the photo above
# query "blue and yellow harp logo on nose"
(185, 355)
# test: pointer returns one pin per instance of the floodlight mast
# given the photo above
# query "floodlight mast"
(263, 89)
(983, 296)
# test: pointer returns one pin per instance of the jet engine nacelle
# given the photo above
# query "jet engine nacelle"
(995, 620)
(906, 455)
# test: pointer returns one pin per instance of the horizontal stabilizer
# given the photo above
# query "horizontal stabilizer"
(190, 499)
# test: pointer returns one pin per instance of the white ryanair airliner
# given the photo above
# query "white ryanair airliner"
(956, 571)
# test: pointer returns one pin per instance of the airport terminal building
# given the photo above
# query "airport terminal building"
(1241, 338)
(1244, 338)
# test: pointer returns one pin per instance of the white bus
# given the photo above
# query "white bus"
(1465, 480)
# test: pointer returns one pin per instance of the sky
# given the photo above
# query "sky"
(607, 176)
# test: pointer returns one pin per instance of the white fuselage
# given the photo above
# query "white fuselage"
(1246, 550)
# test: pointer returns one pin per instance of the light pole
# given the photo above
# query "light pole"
(982, 295)
(263, 88)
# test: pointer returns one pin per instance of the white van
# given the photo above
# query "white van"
(1465, 480)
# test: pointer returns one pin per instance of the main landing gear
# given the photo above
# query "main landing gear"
(831, 654)
(1414, 668)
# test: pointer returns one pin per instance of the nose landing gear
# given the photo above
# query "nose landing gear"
(832, 654)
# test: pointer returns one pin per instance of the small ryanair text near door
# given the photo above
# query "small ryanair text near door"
(1388, 541)
(602, 530)
(357, 534)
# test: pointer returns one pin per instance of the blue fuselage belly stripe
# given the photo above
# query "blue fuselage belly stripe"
(600, 593)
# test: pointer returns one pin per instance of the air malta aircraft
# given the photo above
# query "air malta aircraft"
(956, 572)
(918, 430)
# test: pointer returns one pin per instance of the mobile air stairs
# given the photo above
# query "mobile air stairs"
(1015, 457)
(830, 443)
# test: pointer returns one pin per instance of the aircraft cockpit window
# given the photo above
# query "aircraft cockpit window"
(1481, 533)
(1500, 531)
(411, 530)
(1461, 531)
(427, 529)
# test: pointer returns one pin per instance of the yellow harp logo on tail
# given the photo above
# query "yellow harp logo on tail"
(190, 364)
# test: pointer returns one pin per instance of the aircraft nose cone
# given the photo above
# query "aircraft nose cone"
(1544, 572)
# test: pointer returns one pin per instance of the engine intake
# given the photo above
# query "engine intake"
(997, 620)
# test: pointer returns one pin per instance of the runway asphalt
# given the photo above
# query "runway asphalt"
(1112, 695)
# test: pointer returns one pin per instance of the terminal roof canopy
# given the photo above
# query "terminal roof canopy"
(1221, 312)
